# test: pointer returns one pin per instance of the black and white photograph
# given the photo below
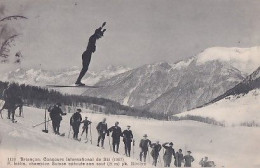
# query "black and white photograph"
(129, 83)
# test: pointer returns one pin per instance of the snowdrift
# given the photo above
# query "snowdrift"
(232, 110)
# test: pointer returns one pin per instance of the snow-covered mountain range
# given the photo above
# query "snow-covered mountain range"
(41, 77)
(174, 88)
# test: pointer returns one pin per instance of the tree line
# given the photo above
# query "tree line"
(41, 97)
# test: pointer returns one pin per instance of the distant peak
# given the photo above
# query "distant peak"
(244, 59)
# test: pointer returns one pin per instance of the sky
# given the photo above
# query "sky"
(138, 31)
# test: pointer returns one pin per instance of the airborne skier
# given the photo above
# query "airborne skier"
(91, 48)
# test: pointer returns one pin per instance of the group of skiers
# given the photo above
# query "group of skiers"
(169, 152)
(117, 133)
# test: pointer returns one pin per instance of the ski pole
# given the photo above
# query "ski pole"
(109, 143)
(160, 160)
(1, 113)
(90, 134)
(40, 123)
(69, 132)
(133, 148)
(2, 108)
(22, 111)
(148, 155)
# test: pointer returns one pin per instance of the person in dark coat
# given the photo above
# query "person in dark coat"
(116, 134)
(144, 145)
(127, 139)
(91, 48)
(56, 117)
(178, 158)
(86, 123)
(169, 152)
(188, 159)
(156, 148)
(75, 122)
(12, 95)
(102, 131)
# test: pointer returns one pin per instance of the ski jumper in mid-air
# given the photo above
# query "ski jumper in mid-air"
(91, 48)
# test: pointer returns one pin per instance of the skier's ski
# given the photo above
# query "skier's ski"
(62, 135)
(88, 86)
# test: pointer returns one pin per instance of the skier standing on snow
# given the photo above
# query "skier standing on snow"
(156, 147)
(102, 130)
(127, 139)
(75, 121)
(91, 48)
(144, 145)
(11, 96)
(86, 123)
(169, 152)
(56, 117)
(116, 134)
(188, 159)
(178, 158)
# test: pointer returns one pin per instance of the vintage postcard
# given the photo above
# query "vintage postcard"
(129, 83)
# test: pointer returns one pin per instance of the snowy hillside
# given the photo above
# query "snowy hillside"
(232, 110)
(227, 146)
(250, 83)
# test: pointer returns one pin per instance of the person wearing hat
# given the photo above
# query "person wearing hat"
(178, 158)
(91, 48)
(127, 139)
(188, 159)
(75, 121)
(102, 130)
(86, 123)
(56, 117)
(145, 143)
(169, 152)
(116, 134)
(156, 148)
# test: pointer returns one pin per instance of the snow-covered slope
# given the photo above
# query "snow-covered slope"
(21, 140)
(250, 83)
(232, 110)
(227, 146)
